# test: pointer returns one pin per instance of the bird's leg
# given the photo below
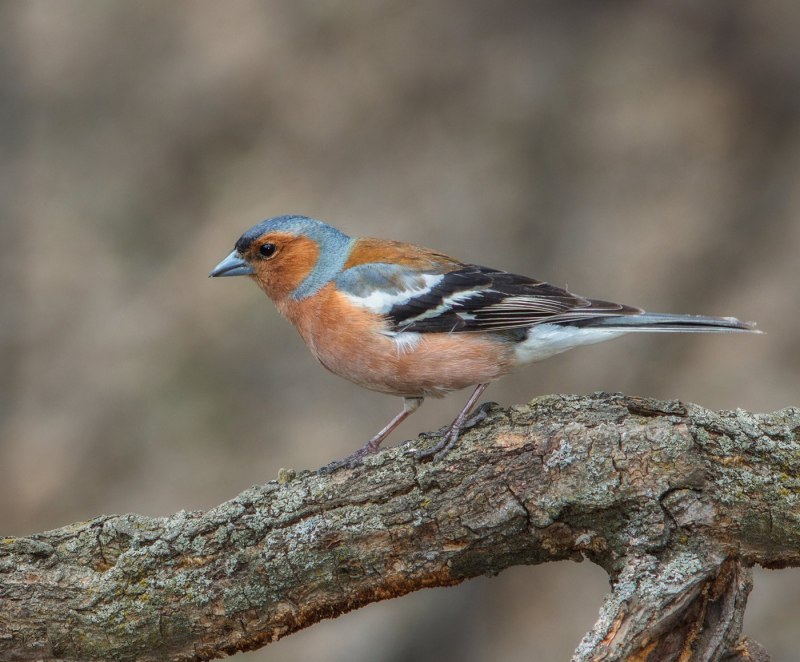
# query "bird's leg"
(410, 405)
(462, 420)
(477, 415)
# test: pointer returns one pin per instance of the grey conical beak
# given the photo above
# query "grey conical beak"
(233, 265)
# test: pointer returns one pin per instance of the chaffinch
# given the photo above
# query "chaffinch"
(412, 322)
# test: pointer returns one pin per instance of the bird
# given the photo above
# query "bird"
(413, 322)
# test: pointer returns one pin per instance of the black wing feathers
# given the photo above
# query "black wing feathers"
(476, 298)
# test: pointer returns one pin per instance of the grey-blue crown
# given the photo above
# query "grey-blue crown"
(334, 247)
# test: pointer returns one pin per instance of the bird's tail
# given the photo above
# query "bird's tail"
(667, 322)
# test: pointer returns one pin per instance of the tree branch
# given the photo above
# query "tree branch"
(674, 501)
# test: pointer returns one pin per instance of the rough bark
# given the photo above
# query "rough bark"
(676, 502)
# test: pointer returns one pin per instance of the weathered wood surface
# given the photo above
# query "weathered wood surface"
(674, 501)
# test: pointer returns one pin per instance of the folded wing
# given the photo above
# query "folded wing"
(468, 298)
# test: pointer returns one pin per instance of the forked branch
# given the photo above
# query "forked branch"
(674, 501)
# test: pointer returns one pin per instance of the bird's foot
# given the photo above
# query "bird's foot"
(352, 460)
(478, 415)
(442, 447)
(449, 439)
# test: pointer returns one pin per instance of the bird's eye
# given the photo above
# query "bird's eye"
(267, 250)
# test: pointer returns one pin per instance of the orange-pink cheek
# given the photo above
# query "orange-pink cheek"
(282, 275)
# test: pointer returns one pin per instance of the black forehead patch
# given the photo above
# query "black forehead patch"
(248, 238)
(244, 242)
(290, 224)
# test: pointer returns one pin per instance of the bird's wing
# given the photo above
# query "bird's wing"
(380, 287)
(466, 298)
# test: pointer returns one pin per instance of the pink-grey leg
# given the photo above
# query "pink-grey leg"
(410, 405)
(463, 420)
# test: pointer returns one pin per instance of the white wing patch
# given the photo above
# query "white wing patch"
(445, 306)
(381, 301)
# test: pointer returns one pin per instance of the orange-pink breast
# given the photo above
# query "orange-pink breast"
(348, 340)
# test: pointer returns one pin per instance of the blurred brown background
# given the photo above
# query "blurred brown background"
(647, 152)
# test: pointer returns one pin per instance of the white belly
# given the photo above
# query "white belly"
(545, 340)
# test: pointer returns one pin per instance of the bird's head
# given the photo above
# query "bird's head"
(288, 256)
